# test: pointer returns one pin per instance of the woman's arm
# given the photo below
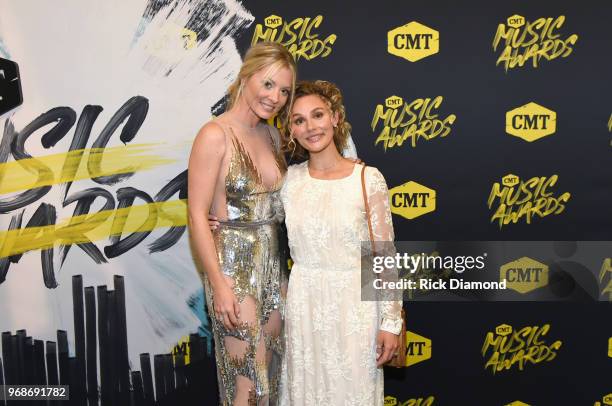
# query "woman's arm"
(383, 236)
(205, 162)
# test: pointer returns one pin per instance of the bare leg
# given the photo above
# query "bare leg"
(245, 351)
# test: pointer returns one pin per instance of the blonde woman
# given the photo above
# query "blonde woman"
(236, 170)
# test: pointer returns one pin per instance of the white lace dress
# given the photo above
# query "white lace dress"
(330, 355)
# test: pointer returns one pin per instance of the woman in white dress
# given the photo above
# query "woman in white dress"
(335, 342)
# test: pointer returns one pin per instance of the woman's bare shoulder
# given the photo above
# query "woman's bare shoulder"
(211, 135)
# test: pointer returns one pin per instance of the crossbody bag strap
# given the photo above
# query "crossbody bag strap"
(367, 206)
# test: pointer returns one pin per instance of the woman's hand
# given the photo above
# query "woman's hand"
(226, 307)
(213, 222)
(386, 347)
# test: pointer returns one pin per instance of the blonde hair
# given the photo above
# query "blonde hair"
(262, 55)
(331, 95)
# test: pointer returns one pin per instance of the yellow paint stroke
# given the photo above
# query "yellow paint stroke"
(71, 166)
(95, 226)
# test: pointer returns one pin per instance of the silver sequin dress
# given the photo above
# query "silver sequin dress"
(248, 252)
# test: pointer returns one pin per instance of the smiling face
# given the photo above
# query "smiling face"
(312, 123)
(267, 91)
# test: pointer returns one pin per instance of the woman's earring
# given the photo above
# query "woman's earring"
(291, 141)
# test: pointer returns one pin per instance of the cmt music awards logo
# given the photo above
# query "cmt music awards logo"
(412, 121)
(531, 122)
(531, 41)
(412, 200)
(507, 348)
(297, 35)
(606, 401)
(524, 275)
(392, 401)
(605, 279)
(525, 199)
(182, 347)
(413, 41)
(171, 41)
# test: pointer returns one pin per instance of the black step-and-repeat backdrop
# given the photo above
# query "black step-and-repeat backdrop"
(490, 122)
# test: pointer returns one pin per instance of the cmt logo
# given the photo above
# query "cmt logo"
(607, 400)
(171, 42)
(273, 21)
(510, 180)
(10, 86)
(189, 37)
(610, 347)
(524, 274)
(183, 346)
(394, 102)
(413, 41)
(503, 330)
(390, 401)
(517, 403)
(418, 348)
(412, 200)
(516, 21)
(531, 122)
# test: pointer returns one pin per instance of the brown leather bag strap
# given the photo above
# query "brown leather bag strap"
(367, 206)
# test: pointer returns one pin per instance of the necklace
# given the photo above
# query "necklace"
(327, 167)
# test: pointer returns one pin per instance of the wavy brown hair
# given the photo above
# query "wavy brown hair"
(331, 95)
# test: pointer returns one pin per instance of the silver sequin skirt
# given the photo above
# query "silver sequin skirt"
(248, 253)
